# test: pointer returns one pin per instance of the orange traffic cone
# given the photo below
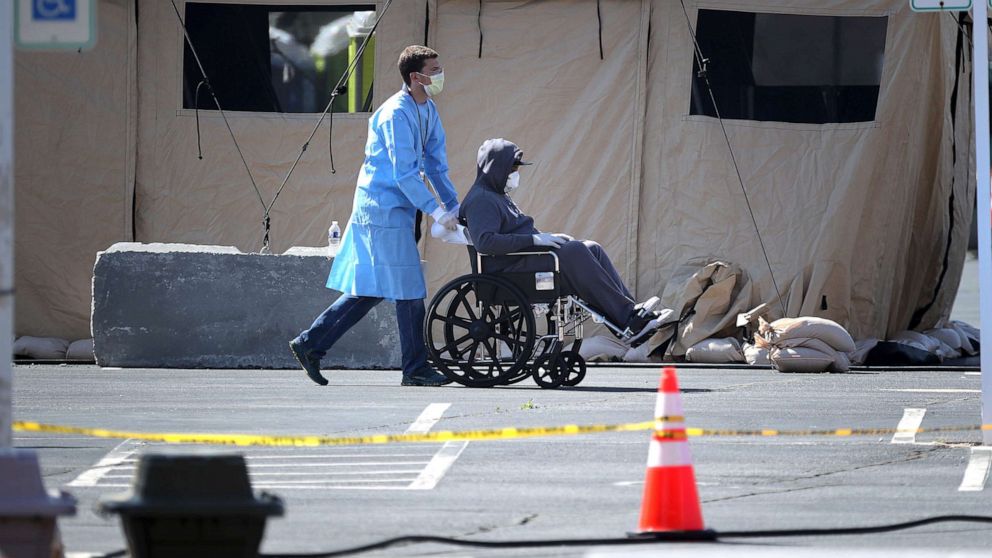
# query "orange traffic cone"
(670, 499)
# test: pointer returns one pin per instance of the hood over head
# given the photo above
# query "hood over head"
(495, 163)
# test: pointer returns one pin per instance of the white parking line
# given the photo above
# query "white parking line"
(112, 460)
(977, 472)
(338, 473)
(444, 458)
(409, 467)
(428, 418)
(331, 481)
(906, 429)
(325, 456)
(935, 390)
(436, 469)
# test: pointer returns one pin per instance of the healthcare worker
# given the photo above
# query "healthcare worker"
(378, 257)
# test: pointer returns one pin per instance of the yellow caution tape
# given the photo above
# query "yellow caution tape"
(465, 435)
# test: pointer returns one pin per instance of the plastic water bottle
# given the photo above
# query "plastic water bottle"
(333, 239)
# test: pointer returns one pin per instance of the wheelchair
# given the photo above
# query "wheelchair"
(489, 329)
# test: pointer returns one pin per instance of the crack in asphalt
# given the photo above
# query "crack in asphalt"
(489, 528)
(766, 492)
(916, 454)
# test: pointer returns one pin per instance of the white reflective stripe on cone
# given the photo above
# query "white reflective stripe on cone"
(663, 425)
(668, 405)
(669, 454)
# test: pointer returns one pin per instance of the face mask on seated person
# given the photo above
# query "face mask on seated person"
(512, 182)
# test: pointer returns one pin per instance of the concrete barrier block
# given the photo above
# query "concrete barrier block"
(192, 306)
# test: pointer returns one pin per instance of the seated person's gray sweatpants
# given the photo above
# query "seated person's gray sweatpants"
(588, 272)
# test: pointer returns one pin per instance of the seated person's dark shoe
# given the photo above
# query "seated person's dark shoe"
(642, 313)
(310, 365)
(642, 327)
(425, 377)
(646, 307)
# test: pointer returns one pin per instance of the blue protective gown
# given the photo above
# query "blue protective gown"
(378, 256)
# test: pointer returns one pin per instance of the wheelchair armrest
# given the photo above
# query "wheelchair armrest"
(557, 269)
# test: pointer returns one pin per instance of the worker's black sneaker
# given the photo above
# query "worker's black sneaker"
(425, 377)
(310, 365)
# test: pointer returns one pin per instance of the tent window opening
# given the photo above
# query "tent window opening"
(278, 58)
(789, 68)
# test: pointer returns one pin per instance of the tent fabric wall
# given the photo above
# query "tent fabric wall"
(545, 88)
(856, 213)
(853, 216)
(181, 198)
(74, 169)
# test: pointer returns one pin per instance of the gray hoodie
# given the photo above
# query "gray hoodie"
(495, 223)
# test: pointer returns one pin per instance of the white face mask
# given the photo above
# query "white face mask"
(512, 182)
(436, 85)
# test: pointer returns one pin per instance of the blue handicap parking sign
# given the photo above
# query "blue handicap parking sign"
(53, 10)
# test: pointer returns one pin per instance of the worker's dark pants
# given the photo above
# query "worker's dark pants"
(348, 310)
(588, 273)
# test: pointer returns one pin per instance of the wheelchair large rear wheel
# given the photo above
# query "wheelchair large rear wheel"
(480, 331)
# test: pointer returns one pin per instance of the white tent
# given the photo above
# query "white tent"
(864, 222)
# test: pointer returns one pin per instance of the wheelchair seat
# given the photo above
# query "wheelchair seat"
(542, 285)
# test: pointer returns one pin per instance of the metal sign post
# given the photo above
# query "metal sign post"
(983, 174)
(984, 184)
(6, 216)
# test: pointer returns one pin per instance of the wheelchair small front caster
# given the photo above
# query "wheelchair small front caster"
(574, 367)
(548, 372)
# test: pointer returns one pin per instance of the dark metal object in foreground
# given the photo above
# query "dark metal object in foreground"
(192, 506)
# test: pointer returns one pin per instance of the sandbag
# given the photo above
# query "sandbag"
(755, 355)
(800, 359)
(947, 336)
(970, 337)
(41, 348)
(810, 327)
(839, 360)
(715, 351)
(917, 339)
(971, 331)
(641, 354)
(601, 348)
(81, 350)
(862, 348)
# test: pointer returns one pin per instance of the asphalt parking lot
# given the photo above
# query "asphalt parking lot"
(538, 488)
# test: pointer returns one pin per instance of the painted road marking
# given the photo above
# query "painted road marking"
(428, 418)
(935, 390)
(409, 467)
(910, 422)
(436, 469)
(977, 472)
(443, 459)
(111, 461)
(972, 373)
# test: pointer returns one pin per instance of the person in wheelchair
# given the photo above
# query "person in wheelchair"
(497, 227)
